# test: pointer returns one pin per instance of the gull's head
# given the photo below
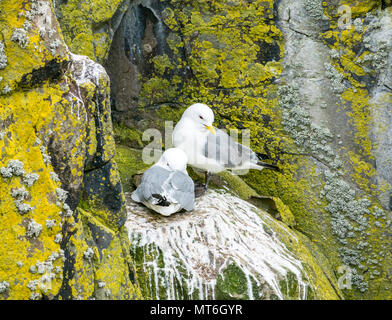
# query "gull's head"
(201, 115)
(173, 159)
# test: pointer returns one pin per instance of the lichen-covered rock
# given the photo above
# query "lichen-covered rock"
(315, 95)
(102, 191)
(334, 80)
(88, 26)
(55, 124)
(32, 50)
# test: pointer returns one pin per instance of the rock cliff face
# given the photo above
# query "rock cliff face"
(61, 208)
(312, 82)
(309, 79)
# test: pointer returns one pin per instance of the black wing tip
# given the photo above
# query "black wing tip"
(269, 166)
(162, 201)
(263, 156)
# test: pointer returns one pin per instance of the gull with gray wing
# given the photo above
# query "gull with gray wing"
(166, 187)
(211, 149)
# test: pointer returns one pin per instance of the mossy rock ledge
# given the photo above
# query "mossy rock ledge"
(226, 248)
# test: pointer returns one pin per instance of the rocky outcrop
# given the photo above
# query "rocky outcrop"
(58, 240)
(88, 26)
(314, 93)
(313, 89)
(225, 249)
(332, 97)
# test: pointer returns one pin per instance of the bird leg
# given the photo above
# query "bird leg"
(208, 176)
(201, 189)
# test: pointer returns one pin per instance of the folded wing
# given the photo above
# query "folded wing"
(152, 183)
(231, 154)
(174, 186)
(183, 190)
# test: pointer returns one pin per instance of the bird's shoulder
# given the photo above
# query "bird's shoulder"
(155, 173)
(153, 179)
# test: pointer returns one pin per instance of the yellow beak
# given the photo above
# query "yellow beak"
(211, 129)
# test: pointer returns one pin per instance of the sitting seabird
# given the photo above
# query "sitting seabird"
(166, 187)
(209, 148)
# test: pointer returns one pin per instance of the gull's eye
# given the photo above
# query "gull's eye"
(201, 117)
(167, 163)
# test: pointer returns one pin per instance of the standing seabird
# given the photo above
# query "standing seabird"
(209, 148)
(166, 187)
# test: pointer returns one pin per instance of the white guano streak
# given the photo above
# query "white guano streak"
(221, 230)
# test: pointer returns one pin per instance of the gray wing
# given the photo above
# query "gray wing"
(158, 180)
(183, 190)
(226, 151)
(152, 181)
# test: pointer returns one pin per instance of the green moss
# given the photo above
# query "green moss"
(236, 185)
(127, 136)
(232, 284)
(129, 162)
(289, 286)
